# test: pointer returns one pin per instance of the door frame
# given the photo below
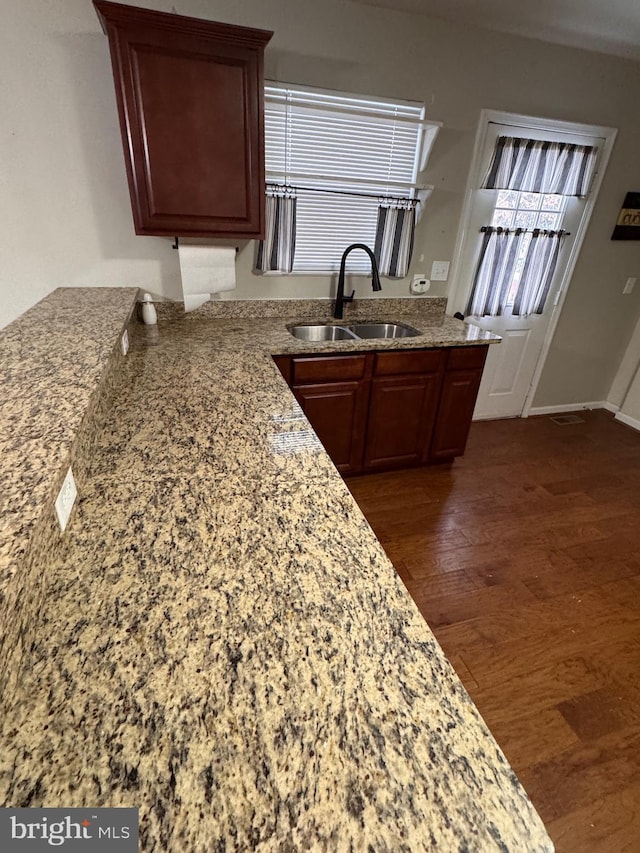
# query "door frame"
(459, 290)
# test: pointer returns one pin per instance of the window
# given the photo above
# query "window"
(342, 156)
(529, 211)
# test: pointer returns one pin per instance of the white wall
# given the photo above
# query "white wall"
(626, 371)
(630, 410)
(625, 389)
(64, 199)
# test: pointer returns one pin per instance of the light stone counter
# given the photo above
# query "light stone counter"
(225, 644)
(57, 365)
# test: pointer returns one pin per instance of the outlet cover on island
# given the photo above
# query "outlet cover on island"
(439, 270)
(124, 342)
(66, 499)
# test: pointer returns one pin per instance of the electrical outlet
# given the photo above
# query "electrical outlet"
(124, 342)
(66, 499)
(439, 270)
(419, 284)
(629, 285)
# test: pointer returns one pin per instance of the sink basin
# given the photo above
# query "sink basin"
(359, 331)
(322, 332)
(384, 330)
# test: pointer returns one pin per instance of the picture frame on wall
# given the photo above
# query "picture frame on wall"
(628, 223)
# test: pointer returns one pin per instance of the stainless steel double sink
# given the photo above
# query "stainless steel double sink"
(316, 333)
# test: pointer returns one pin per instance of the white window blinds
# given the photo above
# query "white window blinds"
(342, 156)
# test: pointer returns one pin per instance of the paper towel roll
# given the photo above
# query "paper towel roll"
(205, 270)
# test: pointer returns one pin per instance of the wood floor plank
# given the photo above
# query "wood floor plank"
(447, 609)
(608, 824)
(579, 775)
(457, 585)
(558, 619)
(624, 591)
(524, 557)
(534, 736)
(537, 690)
(592, 715)
(583, 575)
(494, 664)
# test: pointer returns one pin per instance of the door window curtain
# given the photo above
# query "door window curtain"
(501, 259)
(533, 165)
(539, 267)
(495, 272)
(394, 238)
(276, 252)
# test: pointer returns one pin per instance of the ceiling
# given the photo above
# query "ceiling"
(606, 26)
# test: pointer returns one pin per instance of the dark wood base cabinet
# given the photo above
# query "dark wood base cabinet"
(338, 414)
(333, 392)
(402, 408)
(392, 409)
(457, 401)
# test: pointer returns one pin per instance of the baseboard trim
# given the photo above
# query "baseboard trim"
(494, 417)
(566, 407)
(634, 423)
(611, 407)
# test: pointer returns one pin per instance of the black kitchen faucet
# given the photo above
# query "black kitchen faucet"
(375, 278)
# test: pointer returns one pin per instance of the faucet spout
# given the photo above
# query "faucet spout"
(375, 278)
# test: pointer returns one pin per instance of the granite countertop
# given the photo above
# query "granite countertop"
(51, 362)
(237, 326)
(225, 645)
(56, 362)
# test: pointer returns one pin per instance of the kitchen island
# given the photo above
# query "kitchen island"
(223, 642)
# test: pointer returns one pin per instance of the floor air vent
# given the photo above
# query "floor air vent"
(564, 420)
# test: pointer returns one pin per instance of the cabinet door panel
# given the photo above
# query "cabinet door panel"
(401, 416)
(337, 412)
(170, 89)
(458, 399)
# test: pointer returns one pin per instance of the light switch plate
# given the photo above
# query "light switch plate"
(439, 270)
(629, 285)
(66, 499)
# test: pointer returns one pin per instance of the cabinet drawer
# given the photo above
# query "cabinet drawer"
(408, 361)
(465, 358)
(337, 368)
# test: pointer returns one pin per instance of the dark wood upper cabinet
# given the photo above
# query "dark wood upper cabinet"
(190, 96)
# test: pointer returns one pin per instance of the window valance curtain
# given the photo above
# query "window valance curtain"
(393, 242)
(533, 165)
(394, 238)
(276, 252)
(501, 257)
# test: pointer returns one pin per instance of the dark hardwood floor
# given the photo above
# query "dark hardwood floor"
(524, 558)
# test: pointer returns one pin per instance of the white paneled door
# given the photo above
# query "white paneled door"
(510, 365)
(513, 367)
